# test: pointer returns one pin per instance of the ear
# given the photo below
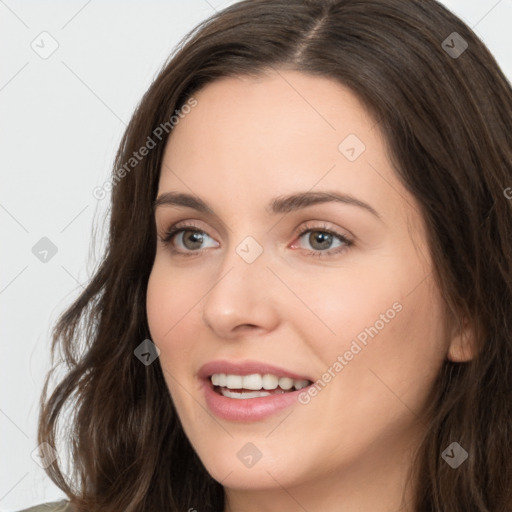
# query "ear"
(462, 342)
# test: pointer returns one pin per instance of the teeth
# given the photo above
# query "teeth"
(251, 394)
(218, 379)
(256, 382)
(299, 384)
(270, 381)
(234, 381)
(286, 383)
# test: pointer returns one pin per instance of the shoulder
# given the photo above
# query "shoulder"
(54, 506)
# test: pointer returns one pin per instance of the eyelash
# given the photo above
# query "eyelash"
(308, 228)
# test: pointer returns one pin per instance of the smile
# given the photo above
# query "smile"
(246, 405)
(250, 390)
(254, 385)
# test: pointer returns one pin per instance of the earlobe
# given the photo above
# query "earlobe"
(462, 347)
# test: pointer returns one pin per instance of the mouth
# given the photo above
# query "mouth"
(250, 390)
(254, 385)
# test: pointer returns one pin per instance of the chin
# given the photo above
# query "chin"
(269, 472)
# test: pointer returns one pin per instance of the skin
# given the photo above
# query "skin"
(246, 142)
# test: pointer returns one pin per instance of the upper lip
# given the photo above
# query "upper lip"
(246, 367)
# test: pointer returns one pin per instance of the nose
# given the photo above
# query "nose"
(243, 297)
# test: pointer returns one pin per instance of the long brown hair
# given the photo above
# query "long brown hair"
(447, 122)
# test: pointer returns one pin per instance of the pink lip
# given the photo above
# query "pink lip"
(250, 409)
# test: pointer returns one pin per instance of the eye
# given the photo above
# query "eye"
(321, 238)
(191, 238)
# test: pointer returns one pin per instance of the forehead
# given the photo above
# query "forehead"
(276, 134)
(269, 115)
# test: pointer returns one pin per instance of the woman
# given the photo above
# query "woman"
(223, 368)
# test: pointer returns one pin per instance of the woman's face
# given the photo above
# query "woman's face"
(340, 293)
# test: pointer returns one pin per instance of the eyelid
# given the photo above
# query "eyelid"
(321, 225)
(179, 226)
(312, 224)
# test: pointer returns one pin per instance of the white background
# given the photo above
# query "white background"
(61, 121)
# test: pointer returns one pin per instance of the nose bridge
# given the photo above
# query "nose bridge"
(246, 256)
(240, 293)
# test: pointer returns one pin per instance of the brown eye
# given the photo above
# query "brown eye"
(191, 239)
(188, 237)
(322, 238)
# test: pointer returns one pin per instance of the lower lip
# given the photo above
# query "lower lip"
(247, 409)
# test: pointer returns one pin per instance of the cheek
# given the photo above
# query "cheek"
(346, 306)
(383, 332)
(172, 295)
(169, 314)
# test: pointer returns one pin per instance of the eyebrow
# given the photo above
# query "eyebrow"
(278, 205)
